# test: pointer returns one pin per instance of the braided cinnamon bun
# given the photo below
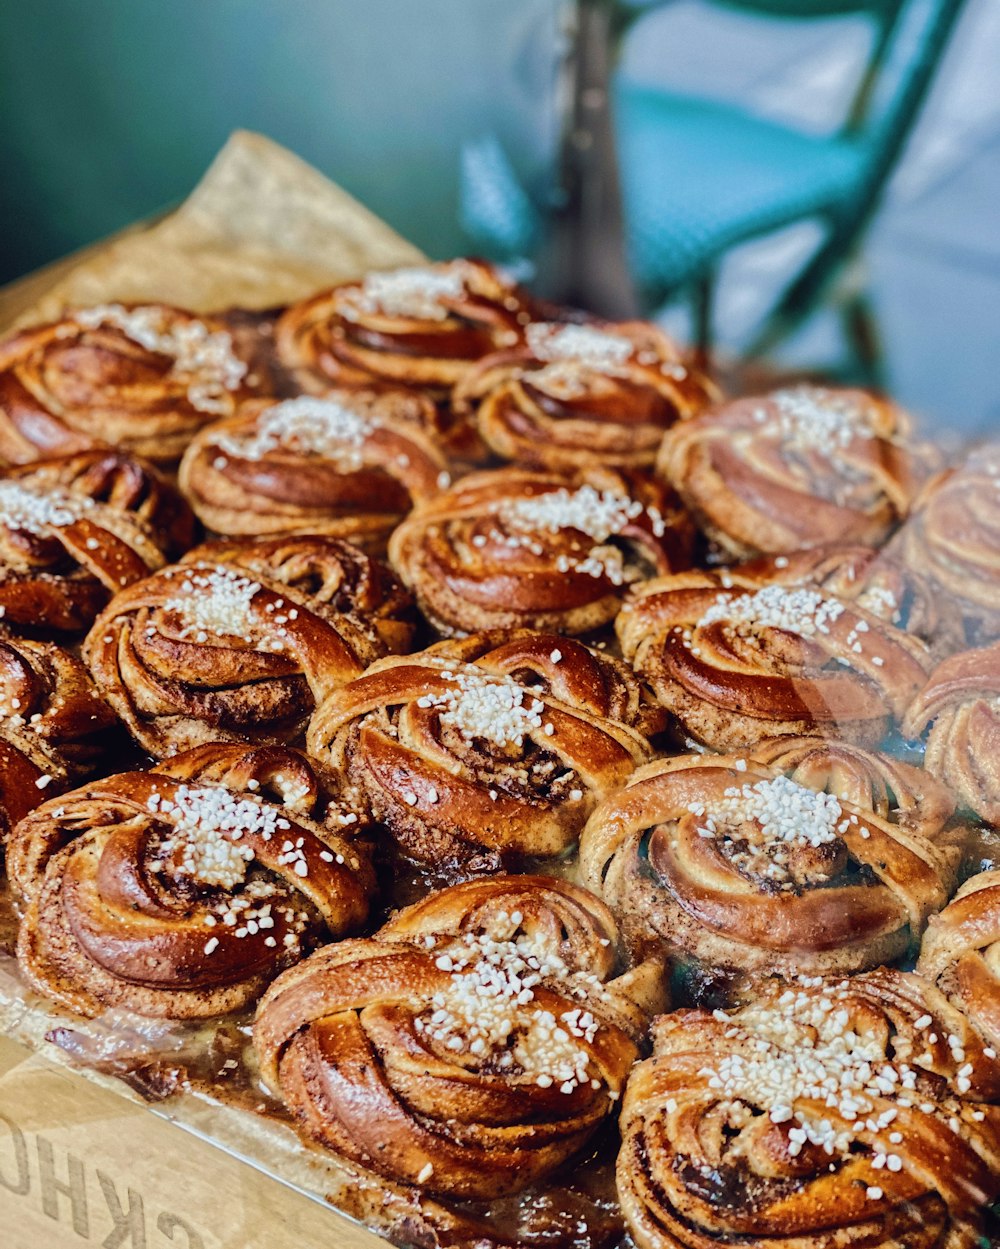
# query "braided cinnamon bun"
(470, 1046)
(52, 725)
(142, 377)
(961, 704)
(960, 953)
(241, 641)
(182, 891)
(577, 396)
(739, 666)
(350, 464)
(75, 530)
(830, 1114)
(820, 860)
(424, 326)
(517, 548)
(489, 749)
(953, 538)
(796, 468)
(875, 580)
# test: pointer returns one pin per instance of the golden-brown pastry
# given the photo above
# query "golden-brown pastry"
(488, 749)
(961, 953)
(874, 579)
(736, 666)
(518, 548)
(469, 1047)
(820, 859)
(576, 396)
(242, 640)
(796, 468)
(350, 464)
(424, 326)
(141, 377)
(183, 891)
(832, 1115)
(75, 529)
(53, 725)
(961, 704)
(953, 538)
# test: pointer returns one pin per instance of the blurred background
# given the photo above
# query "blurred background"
(801, 185)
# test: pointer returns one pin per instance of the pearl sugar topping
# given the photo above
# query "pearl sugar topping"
(598, 514)
(478, 1013)
(812, 418)
(307, 426)
(34, 511)
(208, 824)
(494, 708)
(802, 611)
(579, 343)
(205, 357)
(417, 291)
(802, 1047)
(784, 810)
(215, 601)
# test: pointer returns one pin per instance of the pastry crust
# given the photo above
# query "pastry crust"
(582, 396)
(960, 953)
(796, 468)
(739, 665)
(75, 530)
(823, 1116)
(873, 578)
(961, 706)
(514, 548)
(386, 1052)
(241, 640)
(488, 750)
(813, 858)
(53, 725)
(350, 464)
(180, 892)
(953, 538)
(143, 378)
(423, 326)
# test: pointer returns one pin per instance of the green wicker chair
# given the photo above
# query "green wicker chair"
(699, 176)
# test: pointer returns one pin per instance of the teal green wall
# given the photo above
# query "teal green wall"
(110, 109)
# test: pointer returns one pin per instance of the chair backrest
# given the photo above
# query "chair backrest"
(816, 8)
(909, 39)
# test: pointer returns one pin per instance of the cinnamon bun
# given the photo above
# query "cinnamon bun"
(76, 529)
(141, 377)
(830, 1114)
(517, 548)
(182, 891)
(487, 750)
(796, 468)
(580, 396)
(242, 640)
(960, 953)
(875, 579)
(423, 326)
(737, 666)
(53, 725)
(961, 704)
(953, 538)
(350, 464)
(470, 1046)
(820, 859)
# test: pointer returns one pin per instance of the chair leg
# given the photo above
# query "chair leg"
(702, 308)
(864, 341)
(806, 292)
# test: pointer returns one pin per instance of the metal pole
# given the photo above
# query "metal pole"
(586, 264)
